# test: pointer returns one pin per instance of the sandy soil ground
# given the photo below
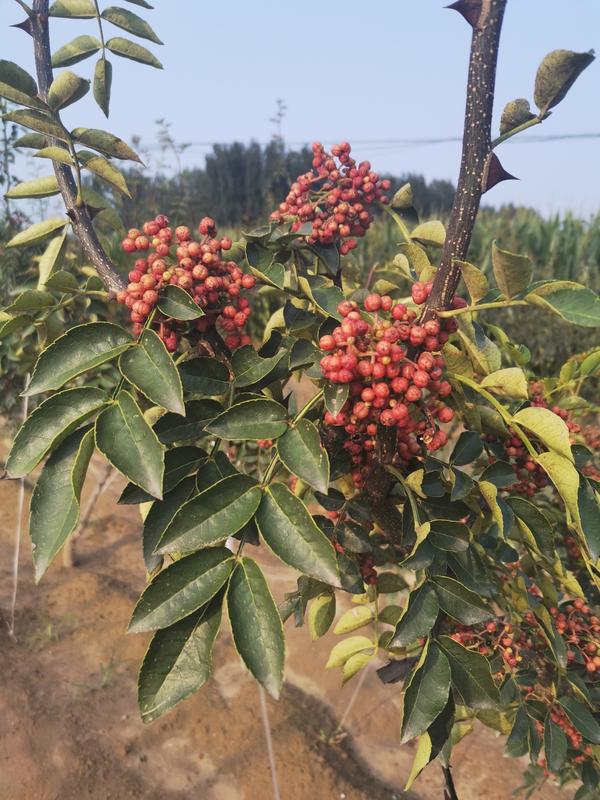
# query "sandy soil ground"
(69, 727)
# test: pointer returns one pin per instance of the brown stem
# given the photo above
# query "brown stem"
(485, 17)
(78, 214)
(450, 790)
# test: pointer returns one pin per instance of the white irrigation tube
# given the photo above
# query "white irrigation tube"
(264, 712)
(352, 700)
(18, 530)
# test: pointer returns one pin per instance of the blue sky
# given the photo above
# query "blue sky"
(393, 69)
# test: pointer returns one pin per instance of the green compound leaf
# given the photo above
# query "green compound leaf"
(54, 508)
(133, 51)
(204, 376)
(66, 89)
(512, 271)
(250, 419)
(181, 589)
(80, 349)
(57, 153)
(178, 661)
(104, 169)
(321, 613)
(589, 514)
(73, 9)
(418, 618)
(556, 74)
(103, 84)
(213, 515)
(130, 22)
(173, 427)
(301, 452)
(426, 694)
(77, 50)
(250, 368)
(36, 232)
(179, 463)
(459, 602)
(335, 395)
(548, 427)
(150, 368)
(124, 437)
(256, 625)
(555, 745)
(160, 515)
(176, 303)
(571, 301)
(49, 424)
(106, 143)
(37, 121)
(38, 187)
(18, 86)
(471, 675)
(290, 531)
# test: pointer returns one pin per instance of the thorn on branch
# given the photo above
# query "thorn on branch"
(24, 26)
(469, 9)
(494, 173)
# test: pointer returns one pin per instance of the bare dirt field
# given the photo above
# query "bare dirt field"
(70, 730)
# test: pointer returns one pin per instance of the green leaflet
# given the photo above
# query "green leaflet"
(213, 515)
(302, 453)
(54, 509)
(159, 516)
(130, 444)
(49, 424)
(250, 419)
(178, 661)
(419, 617)
(181, 588)
(256, 625)
(179, 463)
(150, 368)
(80, 349)
(471, 675)
(287, 527)
(459, 602)
(426, 694)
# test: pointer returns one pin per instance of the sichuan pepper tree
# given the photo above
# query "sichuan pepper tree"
(426, 461)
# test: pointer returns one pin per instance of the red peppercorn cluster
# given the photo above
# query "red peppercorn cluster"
(335, 196)
(574, 621)
(386, 387)
(198, 267)
(525, 647)
(531, 477)
(575, 739)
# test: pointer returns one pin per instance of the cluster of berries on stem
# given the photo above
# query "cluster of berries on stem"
(387, 386)
(200, 268)
(523, 652)
(335, 198)
(531, 478)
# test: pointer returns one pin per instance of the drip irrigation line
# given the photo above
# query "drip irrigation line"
(18, 530)
(264, 712)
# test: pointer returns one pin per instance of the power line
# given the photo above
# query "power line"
(393, 143)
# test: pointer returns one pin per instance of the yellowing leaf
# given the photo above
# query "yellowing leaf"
(511, 270)
(474, 278)
(354, 664)
(420, 761)
(548, 427)
(565, 477)
(354, 618)
(510, 382)
(348, 647)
